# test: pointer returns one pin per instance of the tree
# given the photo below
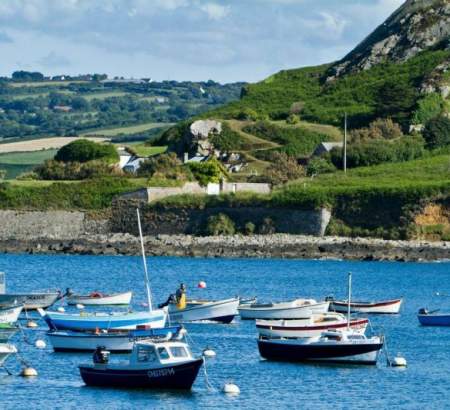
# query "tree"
(437, 132)
(83, 150)
(429, 107)
(283, 169)
(27, 76)
(166, 166)
(206, 172)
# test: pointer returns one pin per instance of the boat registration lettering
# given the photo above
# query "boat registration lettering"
(161, 372)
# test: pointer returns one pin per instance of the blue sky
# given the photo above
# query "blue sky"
(228, 40)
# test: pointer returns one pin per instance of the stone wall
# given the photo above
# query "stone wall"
(49, 224)
(193, 221)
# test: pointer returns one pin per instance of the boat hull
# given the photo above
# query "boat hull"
(293, 312)
(10, 315)
(5, 351)
(117, 299)
(385, 307)
(6, 332)
(178, 376)
(129, 321)
(30, 301)
(268, 328)
(434, 320)
(222, 311)
(283, 350)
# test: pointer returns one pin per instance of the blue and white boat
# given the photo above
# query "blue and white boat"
(433, 318)
(92, 321)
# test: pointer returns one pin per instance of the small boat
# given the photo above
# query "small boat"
(153, 364)
(5, 350)
(433, 318)
(383, 307)
(92, 321)
(112, 340)
(299, 308)
(10, 315)
(97, 298)
(222, 311)
(7, 331)
(337, 346)
(30, 301)
(310, 327)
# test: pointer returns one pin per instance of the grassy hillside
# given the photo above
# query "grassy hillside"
(388, 89)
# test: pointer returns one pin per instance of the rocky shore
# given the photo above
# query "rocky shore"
(257, 246)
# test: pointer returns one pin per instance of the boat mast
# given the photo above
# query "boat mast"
(349, 299)
(144, 260)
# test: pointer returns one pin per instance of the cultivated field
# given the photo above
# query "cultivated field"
(127, 130)
(41, 144)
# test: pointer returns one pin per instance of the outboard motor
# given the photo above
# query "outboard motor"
(423, 311)
(101, 355)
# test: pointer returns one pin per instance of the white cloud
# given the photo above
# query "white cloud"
(215, 11)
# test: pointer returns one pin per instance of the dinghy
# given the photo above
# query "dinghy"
(92, 321)
(153, 364)
(99, 299)
(222, 311)
(433, 318)
(30, 301)
(310, 327)
(383, 307)
(7, 331)
(299, 308)
(10, 315)
(337, 346)
(113, 341)
(5, 351)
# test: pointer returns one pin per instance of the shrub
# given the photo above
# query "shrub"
(220, 224)
(378, 129)
(428, 108)
(206, 172)
(319, 166)
(267, 227)
(60, 171)
(293, 119)
(283, 169)
(247, 114)
(437, 132)
(164, 166)
(249, 228)
(228, 140)
(84, 150)
(28, 176)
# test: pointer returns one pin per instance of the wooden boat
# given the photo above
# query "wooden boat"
(7, 331)
(153, 364)
(10, 315)
(383, 307)
(335, 346)
(6, 350)
(113, 341)
(222, 311)
(99, 299)
(433, 318)
(310, 327)
(92, 321)
(296, 309)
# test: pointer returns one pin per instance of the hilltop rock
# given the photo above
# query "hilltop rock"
(416, 26)
(199, 134)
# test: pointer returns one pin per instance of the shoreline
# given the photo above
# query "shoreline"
(256, 246)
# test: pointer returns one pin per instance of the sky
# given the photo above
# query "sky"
(222, 40)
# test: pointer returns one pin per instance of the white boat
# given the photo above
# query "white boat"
(310, 327)
(113, 341)
(5, 350)
(382, 307)
(98, 299)
(10, 315)
(222, 311)
(296, 309)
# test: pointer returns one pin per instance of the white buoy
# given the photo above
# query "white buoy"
(231, 388)
(209, 352)
(398, 361)
(40, 344)
(32, 323)
(202, 284)
(28, 372)
(80, 306)
(61, 309)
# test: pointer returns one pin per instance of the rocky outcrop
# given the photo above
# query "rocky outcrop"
(416, 26)
(199, 133)
(258, 246)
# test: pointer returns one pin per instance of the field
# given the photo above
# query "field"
(46, 83)
(41, 144)
(145, 150)
(134, 129)
(102, 95)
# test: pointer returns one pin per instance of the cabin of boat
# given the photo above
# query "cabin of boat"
(162, 364)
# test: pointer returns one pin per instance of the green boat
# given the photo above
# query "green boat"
(7, 331)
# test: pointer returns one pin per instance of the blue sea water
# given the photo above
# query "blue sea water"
(424, 384)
